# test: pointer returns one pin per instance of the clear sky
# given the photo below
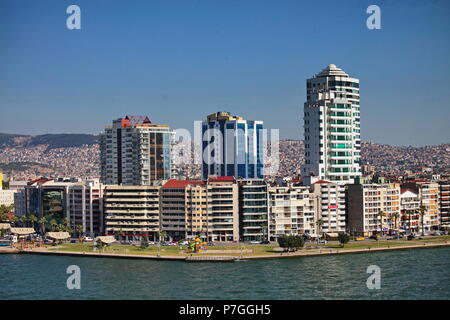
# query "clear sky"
(177, 61)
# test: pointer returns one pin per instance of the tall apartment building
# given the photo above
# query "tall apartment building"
(80, 202)
(409, 206)
(85, 206)
(132, 212)
(366, 202)
(330, 200)
(444, 203)
(133, 151)
(223, 208)
(7, 197)
(232, 146)
(184, 212)
(332, 128)
(291, 211)
(253, 210)
(429, 200)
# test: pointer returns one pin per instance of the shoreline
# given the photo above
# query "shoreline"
(228, 258)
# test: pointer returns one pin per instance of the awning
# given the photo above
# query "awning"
(332, 234)
(5, 226)
(22, 231)
(106, 239)
(58, 235)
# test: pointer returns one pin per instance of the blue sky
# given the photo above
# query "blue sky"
(177, 61)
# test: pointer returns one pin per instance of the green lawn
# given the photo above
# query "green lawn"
(257, 249)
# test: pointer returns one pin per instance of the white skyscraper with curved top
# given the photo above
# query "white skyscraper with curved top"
(332, 128)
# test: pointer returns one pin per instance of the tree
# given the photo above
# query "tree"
(32, 218)
(422, 211)
(23, 220)
(162, 235)
(396, 215)
(283, 241)
(42, 222)
(319, 224)
(53, 224)
(343, 238)
(144, 243)
(291, 242)
(381, 214)
(79, 230)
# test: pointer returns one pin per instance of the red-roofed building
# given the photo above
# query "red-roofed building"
(184, 212)
(221, 179)
(174, 183)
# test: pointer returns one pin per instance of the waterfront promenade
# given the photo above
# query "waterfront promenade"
(269, 254)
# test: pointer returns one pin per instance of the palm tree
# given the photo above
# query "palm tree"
(15, 220)
(396, 215)
(53, 224)
(79, 229)
(381, 214)
(32, 218)
(42, 222)
(23, 220)
(162, 235)
(422, 211)
(319, 224)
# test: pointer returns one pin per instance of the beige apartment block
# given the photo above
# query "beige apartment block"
(184, 212)
(331, 207)
(428, 193)
(373, 208)
(291, 211)
(223, 209)
(132, 212)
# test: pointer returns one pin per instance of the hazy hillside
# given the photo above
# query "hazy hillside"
(51, 140)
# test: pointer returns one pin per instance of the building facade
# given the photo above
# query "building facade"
(291, 211)
(85, 206)
(409, 206)
(373, 208)
(232, 146)
(444, 203)
(184, 212)
(253, 210)
(133, 151)
(332, 128)
(223, 209)
(331, 207)
(132, 212)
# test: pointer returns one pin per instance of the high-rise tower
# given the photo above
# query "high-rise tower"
(133, 151)
(232, 146)
(332, 127)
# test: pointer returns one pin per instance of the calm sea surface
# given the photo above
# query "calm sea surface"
(410, 274)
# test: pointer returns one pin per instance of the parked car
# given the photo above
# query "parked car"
(265, 242)
(183, 243)
(411, 236)
(360, 239)
(254, 242)
(322, 241)
(211, 244)
(48, 241)
(436, 233)
(88, 239)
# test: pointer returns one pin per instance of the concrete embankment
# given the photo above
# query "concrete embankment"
(8, 250)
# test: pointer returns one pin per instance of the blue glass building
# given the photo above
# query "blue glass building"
(232, 146)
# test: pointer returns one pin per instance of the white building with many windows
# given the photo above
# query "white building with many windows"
(332, 128)
(133, 151)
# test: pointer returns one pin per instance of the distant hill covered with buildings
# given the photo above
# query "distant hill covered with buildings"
(26, 157)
